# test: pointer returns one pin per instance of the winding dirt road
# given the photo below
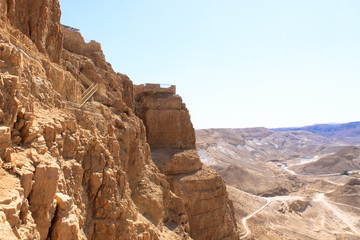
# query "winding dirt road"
(247, 233)
(321, 198)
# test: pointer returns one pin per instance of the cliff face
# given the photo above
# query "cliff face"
(166, 118)
(172, 141)
(39, 20)
(70, 173)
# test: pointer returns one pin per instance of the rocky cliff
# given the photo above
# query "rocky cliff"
(89, 173)
(172, 140)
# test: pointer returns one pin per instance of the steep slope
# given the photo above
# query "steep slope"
(264, 183)
(257, 155)
(279, 182)
(258, 144)
(39, 20)
(347, 195)
(81, 173)
(346, 159)
(172, 141)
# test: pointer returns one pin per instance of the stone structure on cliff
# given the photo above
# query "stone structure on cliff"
(67, 173)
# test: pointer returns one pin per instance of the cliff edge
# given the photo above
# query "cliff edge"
(87, 155)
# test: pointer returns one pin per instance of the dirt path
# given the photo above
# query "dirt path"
(345, 205)
(247, 233)
(321, 198)
(268, 201)
(314, 159)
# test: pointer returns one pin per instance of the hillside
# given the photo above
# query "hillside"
(346, 159)
(280, 180)
(256, 145)
(86, 154)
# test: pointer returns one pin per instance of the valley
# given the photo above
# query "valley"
(291, 184)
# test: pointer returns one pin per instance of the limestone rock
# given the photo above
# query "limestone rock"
(50, 133)
(4, 137)
(284, 207)
(70, 145)
(6, 232)
(299, 205)
(174, 161)
(39, 20)
(166, 118)
(1, 115)
(12, 210)
(172, 141)
(16, 221)
(42, 196)
(89, 174)
(206, 204)
(66, 224)
(30, 134)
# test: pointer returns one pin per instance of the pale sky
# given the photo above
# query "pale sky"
(235, 63)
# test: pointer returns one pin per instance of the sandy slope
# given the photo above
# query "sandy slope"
(273, 197)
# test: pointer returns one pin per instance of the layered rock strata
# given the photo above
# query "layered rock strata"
(88, 173)
(172, 140)
(39, 20)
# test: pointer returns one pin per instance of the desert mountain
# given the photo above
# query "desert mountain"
(346, 132)
(249, 146)
(84, 153)
(288, 184)
(344, 160)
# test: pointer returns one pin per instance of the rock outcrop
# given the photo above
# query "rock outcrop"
(172, 140)
(89, 173)
(166, 118)
(39, 20)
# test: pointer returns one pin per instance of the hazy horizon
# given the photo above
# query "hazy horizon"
(235, 63)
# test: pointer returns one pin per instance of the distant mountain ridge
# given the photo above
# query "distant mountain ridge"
(241, 155)
(289, 177)
(347, 132)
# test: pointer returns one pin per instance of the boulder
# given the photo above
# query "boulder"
(42, 196)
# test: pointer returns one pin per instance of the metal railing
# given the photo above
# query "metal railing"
(24, 49)
(89, 92)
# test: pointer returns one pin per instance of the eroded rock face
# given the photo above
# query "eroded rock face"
(116, 88)
(171, 138)
(88, 173)
(42, 195)
(39, 20)
(82, 174)
(296, 205)
(5, 140)
(16, 221)
(166, 118)
(176, 161)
